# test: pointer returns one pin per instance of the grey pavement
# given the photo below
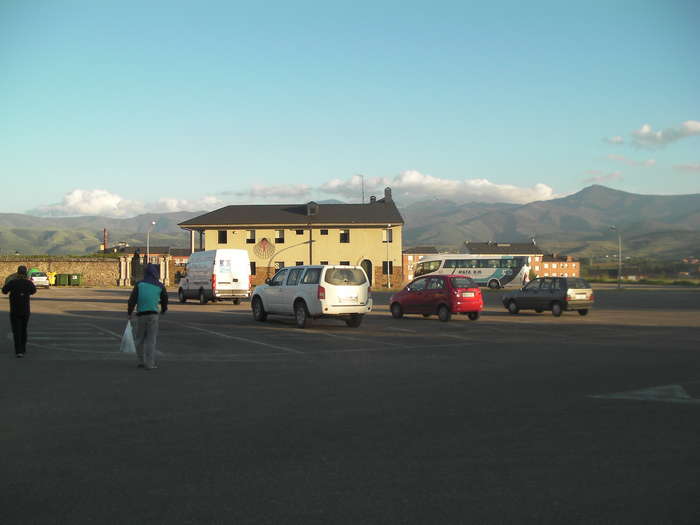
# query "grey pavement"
(508, 419)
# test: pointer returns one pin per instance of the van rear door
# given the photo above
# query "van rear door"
(224, 276)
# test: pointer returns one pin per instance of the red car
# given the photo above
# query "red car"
(443, 295)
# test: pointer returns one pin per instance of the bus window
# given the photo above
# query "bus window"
(426, 267)
(451, 263)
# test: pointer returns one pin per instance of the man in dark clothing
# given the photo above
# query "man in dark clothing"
(145, 298)
(19, 289)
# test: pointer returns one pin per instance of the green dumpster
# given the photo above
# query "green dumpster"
(62, 279)
(75, 279)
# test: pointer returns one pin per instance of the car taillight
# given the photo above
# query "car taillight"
(590, 298)
(213, 281)
(321, 292)
(569, 298)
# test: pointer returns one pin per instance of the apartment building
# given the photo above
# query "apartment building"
(275, 236)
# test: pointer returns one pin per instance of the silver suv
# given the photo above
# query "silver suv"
(311, 292)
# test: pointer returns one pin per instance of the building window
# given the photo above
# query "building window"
(299, 263)
(554, 265)
(546, 265)
(324, 263)
(223, 236)
(324, 232)
(388, 235)
(537, 268)
(344, 263)
(344, 235)
(387, 267)
(279, 265)
(279, 236)
(250, 239)
(300, 232)
(252, 268)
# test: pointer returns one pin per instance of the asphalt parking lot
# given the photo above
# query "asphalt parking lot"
(508, 419)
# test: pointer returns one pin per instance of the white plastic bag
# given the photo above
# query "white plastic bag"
(128, 346)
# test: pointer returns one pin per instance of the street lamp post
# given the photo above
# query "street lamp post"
(309, 242)
(388, 266)
(619, 255)
(148, 241)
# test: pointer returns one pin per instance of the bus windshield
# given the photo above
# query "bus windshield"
(426, 267)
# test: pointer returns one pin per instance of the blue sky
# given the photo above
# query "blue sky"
(123, 107)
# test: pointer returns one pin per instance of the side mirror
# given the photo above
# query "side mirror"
(267, 281)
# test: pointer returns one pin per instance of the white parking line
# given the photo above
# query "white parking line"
(246, 340)
(470, 339)
(393, 328)
(79, 339)
(350, 338)
(104, 330)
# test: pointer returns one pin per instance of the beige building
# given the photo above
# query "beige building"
(276, 236)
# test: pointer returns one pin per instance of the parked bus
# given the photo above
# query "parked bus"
(501, 271)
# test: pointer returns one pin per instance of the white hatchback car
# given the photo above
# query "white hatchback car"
(40, 279)
(310, 292)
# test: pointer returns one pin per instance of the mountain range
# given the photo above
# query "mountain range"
(660, 226)
(663, 226)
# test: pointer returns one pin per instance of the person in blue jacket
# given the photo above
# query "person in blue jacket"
(145, 297)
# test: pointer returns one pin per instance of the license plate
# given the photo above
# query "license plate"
(581, 296)
(467, 294)
(348, 299)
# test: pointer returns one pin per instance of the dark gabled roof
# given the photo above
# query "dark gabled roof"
(379, 212)
(496, 248)
(421, 249)
(180, 252)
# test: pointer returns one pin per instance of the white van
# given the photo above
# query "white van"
(213, 275)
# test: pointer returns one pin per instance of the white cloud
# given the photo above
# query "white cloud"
(614, 140)
(167, 204)
(688, 167)
(599, 176)
(631, 162)
(283, 191)
(408, 186)
(413, 185)
(647, 137)
(102, 202)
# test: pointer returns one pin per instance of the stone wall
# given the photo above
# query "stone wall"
(94, 271)
(380, 280)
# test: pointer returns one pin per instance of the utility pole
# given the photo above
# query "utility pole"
(148, 240)
(619, 256)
